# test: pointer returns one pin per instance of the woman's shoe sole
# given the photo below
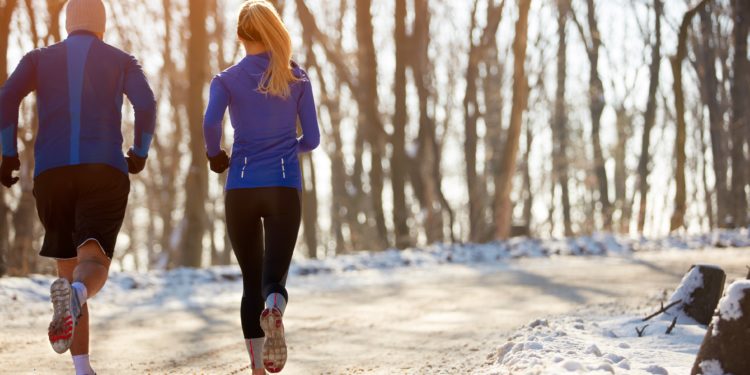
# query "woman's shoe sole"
(274, 349)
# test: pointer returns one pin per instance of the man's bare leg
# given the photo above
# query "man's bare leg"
(91, 269)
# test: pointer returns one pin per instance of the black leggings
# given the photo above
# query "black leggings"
(262, 224)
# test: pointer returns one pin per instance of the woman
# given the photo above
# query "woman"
(266, 93)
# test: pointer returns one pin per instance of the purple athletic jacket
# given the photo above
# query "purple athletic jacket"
(265, 148)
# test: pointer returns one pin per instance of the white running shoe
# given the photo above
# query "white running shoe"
(274, 349)
(67, 310)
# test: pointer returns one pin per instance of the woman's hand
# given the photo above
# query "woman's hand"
(219, 163)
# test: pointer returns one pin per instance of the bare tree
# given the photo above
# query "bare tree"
(6, 15)
(369, 116)
(593, 44)
(710, 92)
(400, 119)
(560, 117)
(740, 115)
(680, 205)
(196, 184)
(520, 100)
(428, 177)
(475, 182)
(649, 118)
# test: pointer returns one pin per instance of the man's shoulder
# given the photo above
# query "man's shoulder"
(113, 51)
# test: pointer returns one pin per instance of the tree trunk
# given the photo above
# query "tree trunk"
(680, 204)
(398, 158)
(709, 93)
(520, 101)
(528, 199)
(621, 171)
(196, 184)
(6, 15)
(596, 107)
(740, 93)
(471, 116)
(649, 117)
(475, 181)
(560, 126)
(493, 122)
(369, 117)
(433, 201)
(309, 206)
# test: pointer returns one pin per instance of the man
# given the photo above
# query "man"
(81, 182)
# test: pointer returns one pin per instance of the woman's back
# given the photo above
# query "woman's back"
(265, 146)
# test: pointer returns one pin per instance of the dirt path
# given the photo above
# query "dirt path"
(439, 320)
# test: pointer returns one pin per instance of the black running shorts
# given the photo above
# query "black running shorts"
(80, 203)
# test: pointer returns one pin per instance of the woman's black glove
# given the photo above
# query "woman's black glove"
(9, 164)
(135, 162)
(220, 162)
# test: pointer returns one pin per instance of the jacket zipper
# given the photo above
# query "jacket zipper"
(242, 176)
(283, 169)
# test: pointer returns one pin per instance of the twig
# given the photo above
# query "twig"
(641, 330)
(662, 310)
(671, 326)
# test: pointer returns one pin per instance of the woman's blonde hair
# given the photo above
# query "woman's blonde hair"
(260, 22)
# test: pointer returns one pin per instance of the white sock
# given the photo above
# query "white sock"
(276, 300)
(255, 350)
(83, 367)
(81, 292)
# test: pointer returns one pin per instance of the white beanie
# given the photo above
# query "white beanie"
(86, 15)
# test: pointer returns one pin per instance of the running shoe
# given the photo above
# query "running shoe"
(67, 310)
(274, 349)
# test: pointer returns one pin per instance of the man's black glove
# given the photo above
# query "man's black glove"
(9, 164)
(220, 162)
(135, 162)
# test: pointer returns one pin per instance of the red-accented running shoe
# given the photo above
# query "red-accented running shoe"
(274, 349)
(62, 326)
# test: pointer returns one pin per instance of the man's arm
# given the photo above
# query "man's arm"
(144, 105)
(18, 85)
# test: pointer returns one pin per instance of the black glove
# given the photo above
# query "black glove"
(135, 162)
(220, 162)
(9, 164)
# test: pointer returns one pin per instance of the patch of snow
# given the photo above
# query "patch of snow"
(656, 370)
(605, 345)
(690, 282)
(712, 367)
(729, 306)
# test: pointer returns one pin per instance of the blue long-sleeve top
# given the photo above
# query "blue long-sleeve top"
(80, 84)
(266, 146)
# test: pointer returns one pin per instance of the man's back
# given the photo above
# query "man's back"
(80, 84)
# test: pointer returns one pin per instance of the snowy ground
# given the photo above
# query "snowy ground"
(447, 309)
(605, 341)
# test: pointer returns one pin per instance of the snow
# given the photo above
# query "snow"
(730, 307)
(690, 282)
(601, 343)
(712, 367)
(498, 252)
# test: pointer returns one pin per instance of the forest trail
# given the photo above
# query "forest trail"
(443, 319)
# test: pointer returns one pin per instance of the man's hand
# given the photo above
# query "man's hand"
(220, 162)
(135, 162)
(9, 164)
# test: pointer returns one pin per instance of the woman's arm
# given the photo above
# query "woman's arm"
(218, 101)
(308, 117)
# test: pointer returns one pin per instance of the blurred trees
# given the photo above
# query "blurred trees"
(425, 108)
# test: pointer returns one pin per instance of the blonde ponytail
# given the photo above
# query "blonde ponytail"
(260, 22)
